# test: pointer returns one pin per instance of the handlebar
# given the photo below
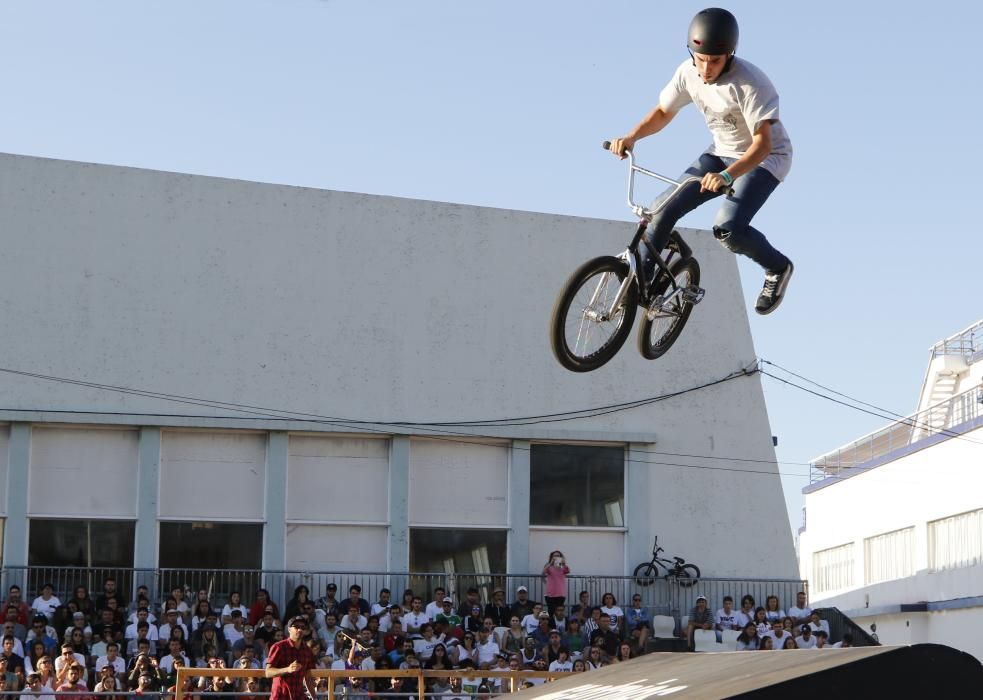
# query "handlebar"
(632, 168)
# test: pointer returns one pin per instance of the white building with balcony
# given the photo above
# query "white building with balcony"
(893, 534)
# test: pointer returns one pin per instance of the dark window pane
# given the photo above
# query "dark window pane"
(204, 545)
(100, 543)
(576, 485)
(477, 552)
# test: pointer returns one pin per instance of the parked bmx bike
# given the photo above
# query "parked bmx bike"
(596, 308)
(646, 573)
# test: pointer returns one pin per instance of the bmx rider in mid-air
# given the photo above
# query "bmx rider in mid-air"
(751, 151)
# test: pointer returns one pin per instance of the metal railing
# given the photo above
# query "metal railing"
(839, 624)
(934, 420)
(660, 596)
(966, 343)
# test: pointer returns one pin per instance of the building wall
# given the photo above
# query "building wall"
(351, 306)
(955, 628)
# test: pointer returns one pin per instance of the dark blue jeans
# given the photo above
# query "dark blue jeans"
(732, 226)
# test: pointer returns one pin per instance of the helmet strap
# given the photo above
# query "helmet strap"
(730, 60)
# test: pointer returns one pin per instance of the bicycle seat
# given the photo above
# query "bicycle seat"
(678, 560)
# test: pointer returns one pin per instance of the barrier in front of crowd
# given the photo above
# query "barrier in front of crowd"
(660, 597)
(514, 678)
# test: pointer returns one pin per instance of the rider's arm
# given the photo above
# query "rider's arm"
(755, 155)
(653, 122)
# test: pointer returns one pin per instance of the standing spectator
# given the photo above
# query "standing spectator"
(109, 592)
(15, 600)
(290, 663)
(235, 603)
(801, 611)
(773, 609)
(46, 603)
(700, 617)
(522, 605)
(260, 605)
(498, 610)
(748, 640)
(555, 576)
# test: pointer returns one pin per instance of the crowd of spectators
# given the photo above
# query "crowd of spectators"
(112, 644)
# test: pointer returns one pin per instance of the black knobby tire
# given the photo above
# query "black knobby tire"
(667, 329)
(589, 275)
(688, 575)
(645, 574)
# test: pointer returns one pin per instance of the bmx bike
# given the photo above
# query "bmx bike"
(597, 305)
(686, 575)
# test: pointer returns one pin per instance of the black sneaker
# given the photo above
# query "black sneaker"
(774, 290)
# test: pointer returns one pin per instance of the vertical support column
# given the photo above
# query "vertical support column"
(399, 509)
(517, 557)
(15, 530)
(638, 539)
(275, 531)
(148, 489)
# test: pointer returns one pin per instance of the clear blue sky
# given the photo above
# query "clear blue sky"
(503, 103)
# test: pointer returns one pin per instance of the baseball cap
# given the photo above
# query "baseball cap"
(520, 589)
(806, 628)
(297, 621)
(701, 597)
(332, 587)
(78, 615)
(544, 615)
(447, 601)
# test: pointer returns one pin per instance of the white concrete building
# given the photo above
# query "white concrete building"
(325, 317)
(894, 521)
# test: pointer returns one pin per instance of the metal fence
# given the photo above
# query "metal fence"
(661, 596)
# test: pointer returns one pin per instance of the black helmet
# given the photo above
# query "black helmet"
(713, 32)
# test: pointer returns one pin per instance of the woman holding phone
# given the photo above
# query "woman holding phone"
(555, 575)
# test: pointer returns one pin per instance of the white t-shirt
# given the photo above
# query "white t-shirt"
(529, 623)
(131, 632)
(116, 663)
(487, 651)
(167, 663)
(416, 620)
(232, 635)
(227, 611)
(424, 648)
(799, 613)
(45, 607)
(60, 661)
(733, 107)
(803, 643)
(379, 609)
(822, 625)
(616, 614)
(564, 666)
(725, 619)
(433, 609)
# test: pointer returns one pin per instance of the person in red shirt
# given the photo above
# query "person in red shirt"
(290, 663)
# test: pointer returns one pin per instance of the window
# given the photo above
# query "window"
(458, 552)
(205, 545)
(956, 541)
(832, 569)
(889, 556)
(81, 543)
(574, 485)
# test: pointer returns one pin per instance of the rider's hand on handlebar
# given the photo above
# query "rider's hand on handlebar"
(712, 182)
(619, 147)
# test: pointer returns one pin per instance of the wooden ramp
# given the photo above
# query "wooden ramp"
(922, 670)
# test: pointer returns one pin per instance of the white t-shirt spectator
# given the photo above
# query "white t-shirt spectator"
(741, 619)
(433, 609)
(131, 632)
(164, 631)
(45, 607)
(561, 666)
(60, 661)
(725, 620)
(488, 651)
(803, 643)
(357, 626)
(227, 611)
(616, 614)
(530, 623)
(412, 619)
(167, 663)
(424, 649)
(779, 641)
(118, 663)
(232, 635)
(799, 613)
(822, 625)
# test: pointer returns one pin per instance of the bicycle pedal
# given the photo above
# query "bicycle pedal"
(693, 294)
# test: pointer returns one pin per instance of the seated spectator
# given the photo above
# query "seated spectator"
(392, 614)
(172, 621)
(106, 621)
(268, 624)
(746, 613)
(18, 645)
(46, 603)
(540, 666)
(415, 618)
(232, 632)
(35, 690)
(111, 658)
(301, 595)
(437, 605)
(610, 607)
(110, 593)
(523, 605)
(132, 631)
(474, 621)
(427, 642)
(773, 609)
(199, 615)
(78, 625)
(109, 682)
(235, 603)
(11, 680)
(466, 650)
(846, 642)
(766, 643)
(789, 643)
(761, 620)
(559, 619)
(700, 617)
(800, 612)
(748, 639)
(638, 618)
(83, 603)
(68, 657)
(821, 639)
(806, 640)
(17, 629)
(354, 621)
(625, 652)
(73, 682)
(143, 593)
(381, 607)
(487, 648)
(36, 651)
(596, 659)
(407, 602)
(575, 641)
(780, 634)
(725, 618)
(448, 615)
(143, 648)
(248, 641)
(562, 661)
(262, 603)
(180, 603)
(513, 639)
(531, 621)
(14, 599)
(541, 634)
(818, 624)
(174, 651)
(326, 634)
(529, 653)
(498, 610)
(438, 659)
(551, 650)
(355, 598)
(606, 636)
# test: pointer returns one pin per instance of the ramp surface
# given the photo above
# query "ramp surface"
(923, 670)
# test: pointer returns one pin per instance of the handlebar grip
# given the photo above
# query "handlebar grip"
(606, 145)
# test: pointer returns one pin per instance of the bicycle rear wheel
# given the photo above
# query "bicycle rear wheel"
(688, 575)
(582, 334)
(656, 336)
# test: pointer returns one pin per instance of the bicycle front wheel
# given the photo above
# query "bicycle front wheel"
(656, 336)
(645, 574)
(588, 328)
